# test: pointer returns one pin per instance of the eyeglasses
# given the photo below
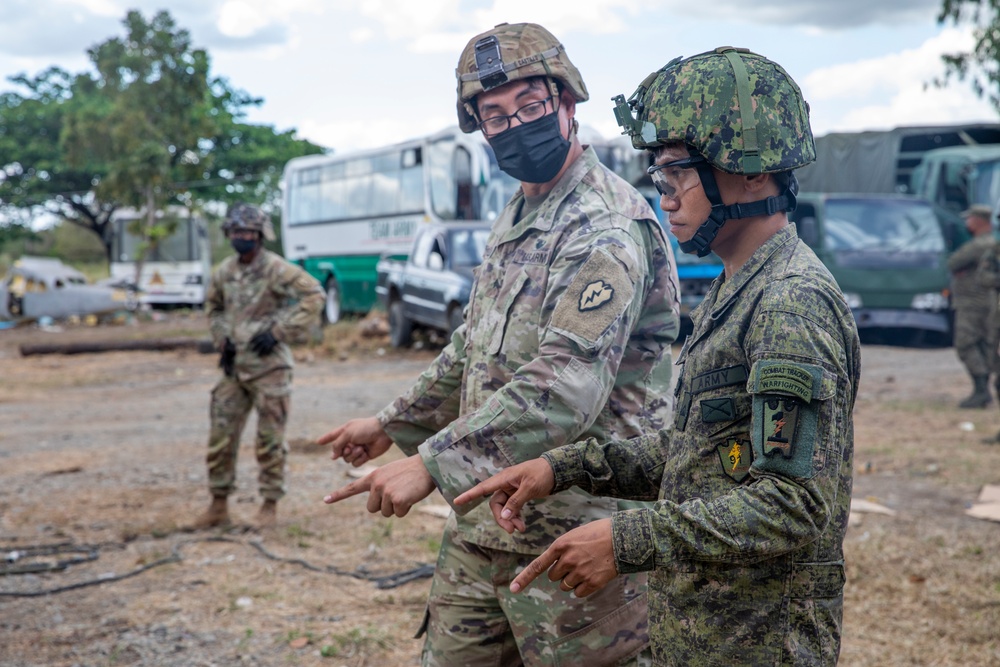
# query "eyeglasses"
(529, 112)
(675, 178)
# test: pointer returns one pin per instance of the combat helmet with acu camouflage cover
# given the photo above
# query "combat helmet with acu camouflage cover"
(736, 111)
(511, 52)
(250, 217)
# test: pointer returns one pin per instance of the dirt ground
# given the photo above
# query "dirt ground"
(102, 467)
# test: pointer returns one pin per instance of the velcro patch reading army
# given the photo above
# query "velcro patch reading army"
(736, 455)
(598, 295)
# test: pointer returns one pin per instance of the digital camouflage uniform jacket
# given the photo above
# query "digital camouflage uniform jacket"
(567, 335)
(269, 292)
(967, 290)
(754, 480)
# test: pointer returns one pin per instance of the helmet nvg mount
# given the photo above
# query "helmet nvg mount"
(511, 52)
(249, 217)
(740, 111)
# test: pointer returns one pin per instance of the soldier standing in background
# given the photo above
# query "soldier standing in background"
(988, 276)
(973, 303)
(745, 543)
(257, 303)
(567, 336)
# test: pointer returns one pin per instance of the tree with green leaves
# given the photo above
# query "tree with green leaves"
(980, 67)
(148, 128)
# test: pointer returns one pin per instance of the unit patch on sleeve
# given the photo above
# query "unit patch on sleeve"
(597, 296)
(736, 455)
(787, 399)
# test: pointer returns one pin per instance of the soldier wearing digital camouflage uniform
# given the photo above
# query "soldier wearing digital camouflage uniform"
(988, 278)
(754, 479)
(257, 303)
(567, 335)
(973, 303)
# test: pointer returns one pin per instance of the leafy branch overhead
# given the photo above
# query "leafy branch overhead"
(979, 67)
(147, 128)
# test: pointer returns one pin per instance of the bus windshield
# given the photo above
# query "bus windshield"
(181, 246)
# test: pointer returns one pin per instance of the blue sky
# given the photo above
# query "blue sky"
(364, 73)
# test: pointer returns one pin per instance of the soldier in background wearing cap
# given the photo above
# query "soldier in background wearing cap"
(973, 303)
(567, 336)
(745, 541)
(257, 303)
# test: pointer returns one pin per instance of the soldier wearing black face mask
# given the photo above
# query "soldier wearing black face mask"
(257, 303)
(567, 336)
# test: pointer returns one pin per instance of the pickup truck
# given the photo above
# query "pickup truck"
(431, 287)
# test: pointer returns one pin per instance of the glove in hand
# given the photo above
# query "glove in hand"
(227, 361)
(263, 343)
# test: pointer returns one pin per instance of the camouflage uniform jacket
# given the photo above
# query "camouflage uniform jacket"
(567, 335)
(967, 291)
(754, 480)
(269, 292)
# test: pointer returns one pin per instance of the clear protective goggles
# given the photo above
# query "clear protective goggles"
(673, 179)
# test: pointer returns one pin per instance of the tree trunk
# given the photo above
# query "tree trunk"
(202, 345)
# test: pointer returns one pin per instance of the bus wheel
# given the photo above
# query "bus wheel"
(455, 317)
(331, 312)
(400, 326)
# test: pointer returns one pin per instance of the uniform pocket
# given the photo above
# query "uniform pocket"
(503, 315)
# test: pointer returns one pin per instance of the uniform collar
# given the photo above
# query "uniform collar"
(728, 290)
(543, 218)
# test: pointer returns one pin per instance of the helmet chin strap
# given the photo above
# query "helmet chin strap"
(701, 242)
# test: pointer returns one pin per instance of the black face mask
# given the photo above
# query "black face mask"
(532, 152)
(243, 246)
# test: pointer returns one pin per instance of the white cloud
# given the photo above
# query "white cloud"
(361, 35)
(239, 19)
(369, 132)
(893, 90)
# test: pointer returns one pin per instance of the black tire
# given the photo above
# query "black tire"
(331, 309)
(455, 318)
(400, 326)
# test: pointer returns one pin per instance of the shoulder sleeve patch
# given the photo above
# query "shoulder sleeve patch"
(785, 416)
(595, 299)
(785, 378)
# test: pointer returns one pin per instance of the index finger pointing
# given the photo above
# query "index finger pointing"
(352, 489)
(481, 490)
(533, 570)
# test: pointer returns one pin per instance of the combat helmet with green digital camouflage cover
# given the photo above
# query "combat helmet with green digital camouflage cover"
(511, 52)
(736, 111)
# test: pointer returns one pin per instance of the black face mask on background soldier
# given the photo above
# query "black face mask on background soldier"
(244, 246)
(532, 152)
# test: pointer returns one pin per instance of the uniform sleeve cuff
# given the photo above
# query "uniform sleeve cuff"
(567, 468)
(632, 534)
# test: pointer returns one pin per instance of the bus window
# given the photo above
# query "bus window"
(465, 204)
(443, 191)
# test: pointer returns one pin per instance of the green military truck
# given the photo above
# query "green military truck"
(887, 253)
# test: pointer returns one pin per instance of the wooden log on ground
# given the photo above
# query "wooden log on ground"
(202, 345)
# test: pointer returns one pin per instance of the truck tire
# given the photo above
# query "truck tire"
(400, 326)
(455, 318)
(331, 310)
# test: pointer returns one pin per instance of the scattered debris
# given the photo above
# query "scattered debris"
(440, 511)
(870, 507)
(358, 473)
(988, 505)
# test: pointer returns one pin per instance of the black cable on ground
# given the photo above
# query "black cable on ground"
(422, 571)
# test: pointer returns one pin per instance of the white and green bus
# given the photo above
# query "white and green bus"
(342, 213)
